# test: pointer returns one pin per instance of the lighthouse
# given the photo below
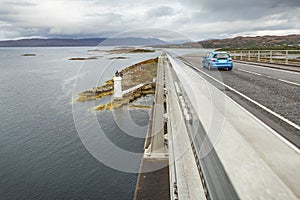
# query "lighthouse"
(118, 86)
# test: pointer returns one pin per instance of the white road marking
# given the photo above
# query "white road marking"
(261, 106)
(290, 82)
(296, 149)
(275, 69)
(253, 101)
(249, 72)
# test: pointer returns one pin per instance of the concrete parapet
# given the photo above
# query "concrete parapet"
(258, 163)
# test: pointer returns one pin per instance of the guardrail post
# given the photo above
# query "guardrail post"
(249, 55)
(268, 56)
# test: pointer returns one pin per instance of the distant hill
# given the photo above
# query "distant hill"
(58, 42)
(258, 42)
(253, 42)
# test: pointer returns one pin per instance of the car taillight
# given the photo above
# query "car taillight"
(230, 60)
(212, 60)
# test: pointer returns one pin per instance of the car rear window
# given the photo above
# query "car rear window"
(221, 56)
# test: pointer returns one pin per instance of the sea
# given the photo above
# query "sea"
(52, 147)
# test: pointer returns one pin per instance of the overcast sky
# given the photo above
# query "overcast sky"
(197, 19)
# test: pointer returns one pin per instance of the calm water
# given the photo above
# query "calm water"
(42, 156)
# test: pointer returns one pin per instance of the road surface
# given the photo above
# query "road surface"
(272, 95)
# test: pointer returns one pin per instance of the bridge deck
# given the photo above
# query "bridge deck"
(259, 163)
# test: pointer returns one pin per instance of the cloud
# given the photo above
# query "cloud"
(100, 18)
(232, 10)
(233, 5)
(161, 11)
(21, 3)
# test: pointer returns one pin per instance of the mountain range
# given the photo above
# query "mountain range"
(59, 42)
(289, 41)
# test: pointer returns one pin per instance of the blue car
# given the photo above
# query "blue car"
(217, 60)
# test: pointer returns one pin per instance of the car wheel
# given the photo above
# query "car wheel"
(229, 69)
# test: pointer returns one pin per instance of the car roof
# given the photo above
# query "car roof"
(216, 52)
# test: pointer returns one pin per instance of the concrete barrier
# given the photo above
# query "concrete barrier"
(258, 163)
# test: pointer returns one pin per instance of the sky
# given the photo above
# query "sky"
(192, 19)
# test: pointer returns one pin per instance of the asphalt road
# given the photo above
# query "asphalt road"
(276, 90)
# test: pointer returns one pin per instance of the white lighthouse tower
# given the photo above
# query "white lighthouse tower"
(118, 87)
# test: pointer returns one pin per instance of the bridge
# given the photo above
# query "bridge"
(223, 134)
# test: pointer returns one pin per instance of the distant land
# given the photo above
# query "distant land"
(258, 42)
(59, 42)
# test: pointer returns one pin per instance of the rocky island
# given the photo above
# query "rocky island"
(141, 74)
(118, 57)
(129, 50)
(29, 54)
(114, 51)
(88, 58)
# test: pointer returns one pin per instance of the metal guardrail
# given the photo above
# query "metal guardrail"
(215, 180)
(290, 57)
